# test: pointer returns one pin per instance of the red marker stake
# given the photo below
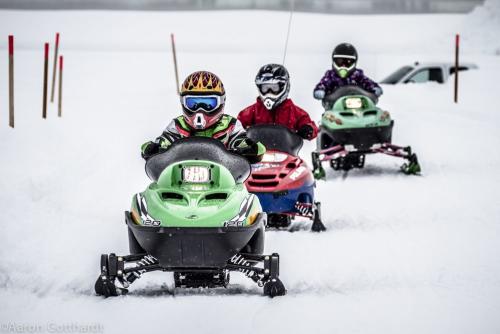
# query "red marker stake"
(59, 104)
(457, 46)
(11, 81)
(45, 78)
(54, 70)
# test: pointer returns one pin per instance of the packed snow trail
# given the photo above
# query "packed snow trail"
(418, 254)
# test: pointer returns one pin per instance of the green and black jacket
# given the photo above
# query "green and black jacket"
(228, 130)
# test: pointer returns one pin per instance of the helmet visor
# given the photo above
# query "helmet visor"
(206, 104)
(344, 62)
(274, 88)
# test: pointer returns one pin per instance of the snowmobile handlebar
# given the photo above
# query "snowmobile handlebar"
(198, 148)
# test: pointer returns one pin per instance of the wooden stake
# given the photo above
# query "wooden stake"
(45, 78)
(59, 104)
(457, 45)
(175, 64)
(54, 70)
(11, 81)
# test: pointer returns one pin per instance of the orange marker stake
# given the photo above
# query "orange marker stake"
(175, 63)
(59, 103)
(54, 70)
(11, 81)
(45, 78)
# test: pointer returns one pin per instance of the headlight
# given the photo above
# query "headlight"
(196, 174)
(274, 157)
(354, 103)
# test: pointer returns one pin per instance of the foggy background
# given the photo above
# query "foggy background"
(319, 6)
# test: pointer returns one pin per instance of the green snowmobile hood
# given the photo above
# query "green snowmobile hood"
(354, 111)
(174, 202)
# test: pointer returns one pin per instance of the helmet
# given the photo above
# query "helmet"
(273, 83)
(344, 59)
(203, 98)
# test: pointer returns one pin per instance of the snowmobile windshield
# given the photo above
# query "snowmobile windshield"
(198, 148)
(340, 92)
(276, 137)
(397, 75)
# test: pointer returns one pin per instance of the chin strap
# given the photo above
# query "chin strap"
(268, 103)
(199, 121)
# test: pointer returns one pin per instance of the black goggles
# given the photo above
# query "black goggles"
(274, 88)
(344, 62)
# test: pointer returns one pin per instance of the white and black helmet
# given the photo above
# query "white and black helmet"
(344, 59)
(273, 84)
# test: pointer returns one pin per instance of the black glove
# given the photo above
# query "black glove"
(306, 131)
(151, 149)
(248, 149)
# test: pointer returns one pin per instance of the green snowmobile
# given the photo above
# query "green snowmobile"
(196, 220)
(353, 126)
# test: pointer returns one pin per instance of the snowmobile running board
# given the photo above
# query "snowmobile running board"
(339, 153)
(113, 269)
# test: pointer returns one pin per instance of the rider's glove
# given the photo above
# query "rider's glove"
(377, 91)
(305, 131)
(319, 94)
(150, 149)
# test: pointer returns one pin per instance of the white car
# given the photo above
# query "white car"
(425, 72)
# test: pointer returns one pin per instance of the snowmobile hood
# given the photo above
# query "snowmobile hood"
(195, 193)
(354, 111)
(279, 172)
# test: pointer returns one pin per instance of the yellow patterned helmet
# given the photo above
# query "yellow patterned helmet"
(202, 97)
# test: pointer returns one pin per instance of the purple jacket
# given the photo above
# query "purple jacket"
(332, 81)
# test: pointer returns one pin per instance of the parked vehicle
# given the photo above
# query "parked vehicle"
(425, 72)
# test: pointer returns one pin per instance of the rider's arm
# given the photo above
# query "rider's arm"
(240, 143)
(169, 135)
(304, 120)
(368, 84)
(246, 116)
(327, 83)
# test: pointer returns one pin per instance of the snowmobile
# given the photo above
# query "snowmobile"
(282, 180)
(353, 126)
(197, 220)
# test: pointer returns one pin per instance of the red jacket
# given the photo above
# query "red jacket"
(286, 114)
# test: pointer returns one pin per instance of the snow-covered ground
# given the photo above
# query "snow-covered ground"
(401, 254)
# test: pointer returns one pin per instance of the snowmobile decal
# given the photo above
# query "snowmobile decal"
(147, 220)
(240, 218)
(297, 172)
(305, 209)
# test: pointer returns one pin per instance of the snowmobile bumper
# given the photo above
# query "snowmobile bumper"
(361, 138)
(285, 201)
(196, 247)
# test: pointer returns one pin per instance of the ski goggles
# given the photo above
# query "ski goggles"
(207, 104)
(342, 61)
(273, 87)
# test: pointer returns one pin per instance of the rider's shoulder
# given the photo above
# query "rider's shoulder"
(358, 73)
